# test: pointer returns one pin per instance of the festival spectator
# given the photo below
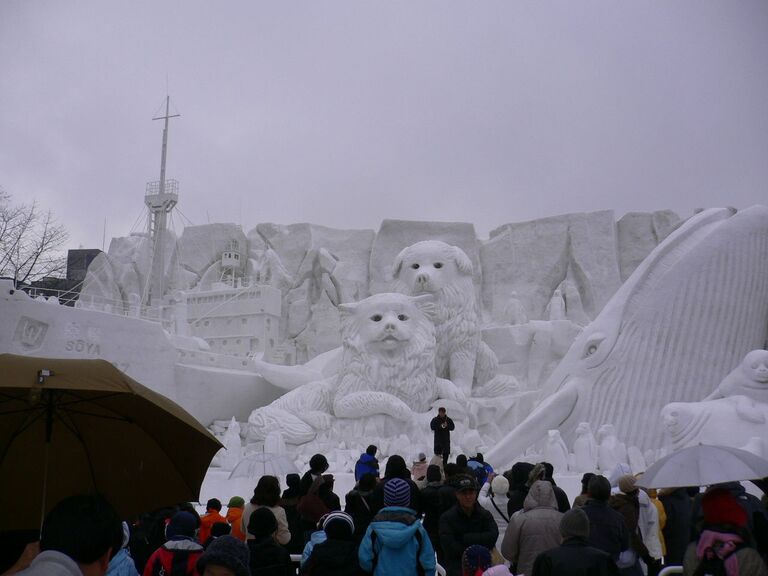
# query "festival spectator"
(563, 505)
(626, 503)
(582, 498)
(226, 556)
(430, 503)
(367, 463)
(289, 502)
(212, 516)
(534, 529)
(518, 486)
(396, 468)
(234, 516)
(724, 545)
(267, 556)
(607, 531)
(464, 524)
(574, 557)
(357, 503)
(419, 468)
(677, 530)
(218, 530)
(337, 555)
(318, 465)
(179, 555)
(396, 543)
(267, 494)
(78, 536)
(121, 563)
(493, 497)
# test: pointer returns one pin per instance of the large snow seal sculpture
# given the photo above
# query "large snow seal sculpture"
(387, 369)
(434, 267)
(750, 378)
(695, 306)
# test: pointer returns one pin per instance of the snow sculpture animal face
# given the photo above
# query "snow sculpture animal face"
(755, 366)
(388, 357)
(430, 266)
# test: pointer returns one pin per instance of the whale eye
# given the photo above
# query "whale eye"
(591, 348)
(415, 266)
(402, 317)
(438, 265)
(376, 317)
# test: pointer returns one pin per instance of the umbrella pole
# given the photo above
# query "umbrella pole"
(48, 434)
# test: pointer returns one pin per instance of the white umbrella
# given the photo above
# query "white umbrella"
(262, 464)
(703, 465)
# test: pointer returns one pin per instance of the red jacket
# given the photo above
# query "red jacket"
(206, 523)
(174, 558)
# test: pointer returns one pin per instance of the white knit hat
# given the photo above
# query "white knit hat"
(500, 485)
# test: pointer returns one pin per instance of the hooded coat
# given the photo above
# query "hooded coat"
(534, 529)
(397, 548)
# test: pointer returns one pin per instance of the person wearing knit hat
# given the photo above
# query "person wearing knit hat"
(397, 492)
(627, 483)
(263, 548)
(574, 556)
(336, 555)
(475, 560)
(724, 543)
(396, 542)
(234, 516)
(493, 497)
(226, 553)
(181, 547)
(627, 503)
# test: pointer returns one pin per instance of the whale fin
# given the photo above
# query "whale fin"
(548, 415)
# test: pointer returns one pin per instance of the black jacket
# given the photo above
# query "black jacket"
(677, 530)
(333, 558)
(607, 531)
(442, 435)
(574, 557)
(457, 531)
(268, 558)
(358, 505)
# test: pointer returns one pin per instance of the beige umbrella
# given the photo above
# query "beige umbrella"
(74, 426)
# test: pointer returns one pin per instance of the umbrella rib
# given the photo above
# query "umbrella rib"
(72, 427)
(94, 415)
(31, 419)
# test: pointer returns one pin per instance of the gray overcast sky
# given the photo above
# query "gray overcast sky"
(345, 113)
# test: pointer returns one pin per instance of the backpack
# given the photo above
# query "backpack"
(419, 567)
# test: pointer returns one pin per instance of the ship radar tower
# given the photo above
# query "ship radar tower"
(160, 197)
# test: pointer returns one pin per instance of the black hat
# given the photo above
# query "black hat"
(318, 464)
(466, 483)
(262, 523)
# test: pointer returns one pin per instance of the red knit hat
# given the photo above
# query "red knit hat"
(720, 507)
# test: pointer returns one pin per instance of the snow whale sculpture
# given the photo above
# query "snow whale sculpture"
(387, 371)
(750, 378)
(692, 309)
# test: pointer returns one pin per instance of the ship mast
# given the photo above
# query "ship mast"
(160, 197)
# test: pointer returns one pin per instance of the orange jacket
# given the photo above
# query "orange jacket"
(233, 517)
(206, 523)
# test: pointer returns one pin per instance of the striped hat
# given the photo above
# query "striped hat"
(397, 492)
(339, 525)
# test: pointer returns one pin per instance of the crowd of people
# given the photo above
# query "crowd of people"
(405, 521)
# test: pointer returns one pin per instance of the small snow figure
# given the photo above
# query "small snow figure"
(556, 452)
(611, 451)
(232, 445)
(585, 448)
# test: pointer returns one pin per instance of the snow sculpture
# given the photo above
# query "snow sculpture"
(750, 379)
(646, 349)
(514, 312)
(585, 449)
(611, 452)
(445, 271)
(731, 421)
(232, 445)
(557, 306)
(386, 376)
(556, 452)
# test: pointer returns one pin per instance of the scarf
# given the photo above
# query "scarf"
(720, 544)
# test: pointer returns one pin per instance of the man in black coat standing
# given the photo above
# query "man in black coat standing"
(442, 426)
(574, 557)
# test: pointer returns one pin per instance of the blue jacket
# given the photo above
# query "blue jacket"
(317, 537)
(366, 464)
(122, 564)
(396, 544)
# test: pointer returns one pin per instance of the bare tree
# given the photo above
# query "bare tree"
(30, 241)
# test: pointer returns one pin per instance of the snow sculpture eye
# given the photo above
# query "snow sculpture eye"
(592, 346)
(402, 317)
(376, 317)
(438, 265)
(415, 266)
